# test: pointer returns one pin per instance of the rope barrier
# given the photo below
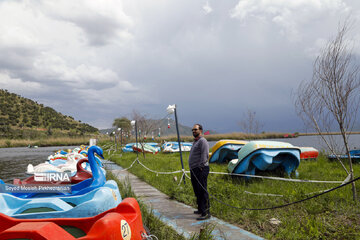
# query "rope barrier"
(264, 194)
(276, 178)
(179, 171)
(246, 175)
(343, 183)
(132, 164)
(275, 207)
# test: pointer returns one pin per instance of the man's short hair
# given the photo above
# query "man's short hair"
(200, 127)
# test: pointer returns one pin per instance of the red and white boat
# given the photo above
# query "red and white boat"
(308, 153)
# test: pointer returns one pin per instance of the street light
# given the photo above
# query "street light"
(172, 109)
(133, 124)
(120, 130)
(115, 140)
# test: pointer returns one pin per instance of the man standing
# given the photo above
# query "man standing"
(199, 168)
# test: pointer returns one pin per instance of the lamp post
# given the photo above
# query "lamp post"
(115, 140)
(133, 123)
(121, 135)
(120, 131)
(172, 109)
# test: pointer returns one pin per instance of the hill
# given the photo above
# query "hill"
(23, 118)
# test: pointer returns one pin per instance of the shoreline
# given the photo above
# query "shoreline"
(84, 140)
(330, 133)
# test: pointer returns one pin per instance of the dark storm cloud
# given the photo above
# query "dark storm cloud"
(98, 60)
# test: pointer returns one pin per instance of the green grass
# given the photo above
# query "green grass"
(331, 216)
(153, 223)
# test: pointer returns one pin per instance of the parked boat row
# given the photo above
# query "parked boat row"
(83, 206)
(63, 161)
(245, 157)
(154, 148)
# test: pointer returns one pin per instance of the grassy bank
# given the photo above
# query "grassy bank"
(154, 224)
(43, 142)
(331, 216)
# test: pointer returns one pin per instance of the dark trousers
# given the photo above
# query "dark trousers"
(199, 177)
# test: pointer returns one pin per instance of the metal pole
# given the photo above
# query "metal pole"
(115, 141)
(178, 136)
(137, 153)
(121, 138)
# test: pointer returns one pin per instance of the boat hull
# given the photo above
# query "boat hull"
(354, 154)
(87, 205)
(121, 223)
(308, 153)
(145, 148)
(225, 150)
(265, 156)
(172, 147)
(128, 148)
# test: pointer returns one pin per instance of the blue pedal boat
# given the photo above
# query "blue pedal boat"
(87, 205)
(225, 150)
(354, 154)
(128, 148)
(265, 156)
(171, 147)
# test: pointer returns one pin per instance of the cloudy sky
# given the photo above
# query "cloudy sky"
(100, 59)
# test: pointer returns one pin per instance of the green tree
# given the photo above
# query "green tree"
(122, 123)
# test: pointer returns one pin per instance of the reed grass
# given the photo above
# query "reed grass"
(49, 141)
(234, 135)
(331, 216)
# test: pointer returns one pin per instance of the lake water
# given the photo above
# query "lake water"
(317, 142)
(14, 161)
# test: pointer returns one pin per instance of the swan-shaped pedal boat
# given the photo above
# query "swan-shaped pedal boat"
(89, 199)
(98, 180)
(81, 175)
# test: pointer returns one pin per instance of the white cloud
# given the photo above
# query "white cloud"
(103, 21)
(290, 16)
(17, 85)
(52, 68)
(109, 57)
(15, 30)
(207, 8)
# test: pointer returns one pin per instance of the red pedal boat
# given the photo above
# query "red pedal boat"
(121, 223)
(308, 153)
